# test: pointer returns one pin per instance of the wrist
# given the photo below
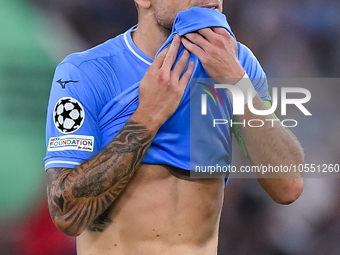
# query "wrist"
(232, 78)
(238, 76)
(247, 88)
(149, 121)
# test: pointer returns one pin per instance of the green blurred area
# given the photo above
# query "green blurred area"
(26, 71)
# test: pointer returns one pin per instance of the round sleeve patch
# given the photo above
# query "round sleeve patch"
(68, 115)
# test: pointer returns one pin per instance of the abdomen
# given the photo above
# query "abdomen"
(161, 211)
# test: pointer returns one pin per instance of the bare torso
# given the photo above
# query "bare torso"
(161, 211)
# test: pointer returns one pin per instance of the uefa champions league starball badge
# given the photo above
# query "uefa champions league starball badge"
(68, 115)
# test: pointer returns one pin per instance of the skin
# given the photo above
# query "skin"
(115, 204)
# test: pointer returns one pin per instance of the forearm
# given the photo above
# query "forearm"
(274, 145)
(78, 196)
(270, 144)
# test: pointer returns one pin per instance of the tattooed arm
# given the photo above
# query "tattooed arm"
(78, 196)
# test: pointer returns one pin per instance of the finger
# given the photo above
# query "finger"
(171, 55)
(180, 65)
(208, 33)
(221, 31)
(187, 75)
(227, 35)
(199, 52)
(158, 61)
(198, 39)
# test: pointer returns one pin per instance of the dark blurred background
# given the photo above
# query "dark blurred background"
(299, 38)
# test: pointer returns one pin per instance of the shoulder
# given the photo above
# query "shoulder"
(105, 50)
(94, 68)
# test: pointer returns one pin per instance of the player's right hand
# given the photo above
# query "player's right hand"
(162, 89)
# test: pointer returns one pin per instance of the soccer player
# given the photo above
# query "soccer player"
(116, 165)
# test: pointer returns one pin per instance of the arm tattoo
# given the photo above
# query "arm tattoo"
(79, 197)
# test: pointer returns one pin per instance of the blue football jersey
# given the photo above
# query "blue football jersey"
(95, 92)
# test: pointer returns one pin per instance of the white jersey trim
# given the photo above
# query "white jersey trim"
(133, 51)
(62, 162)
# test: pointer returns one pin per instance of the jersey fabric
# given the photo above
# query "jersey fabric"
(95, 92)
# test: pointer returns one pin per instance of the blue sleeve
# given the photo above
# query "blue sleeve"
(254, 70)
(72, 129)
